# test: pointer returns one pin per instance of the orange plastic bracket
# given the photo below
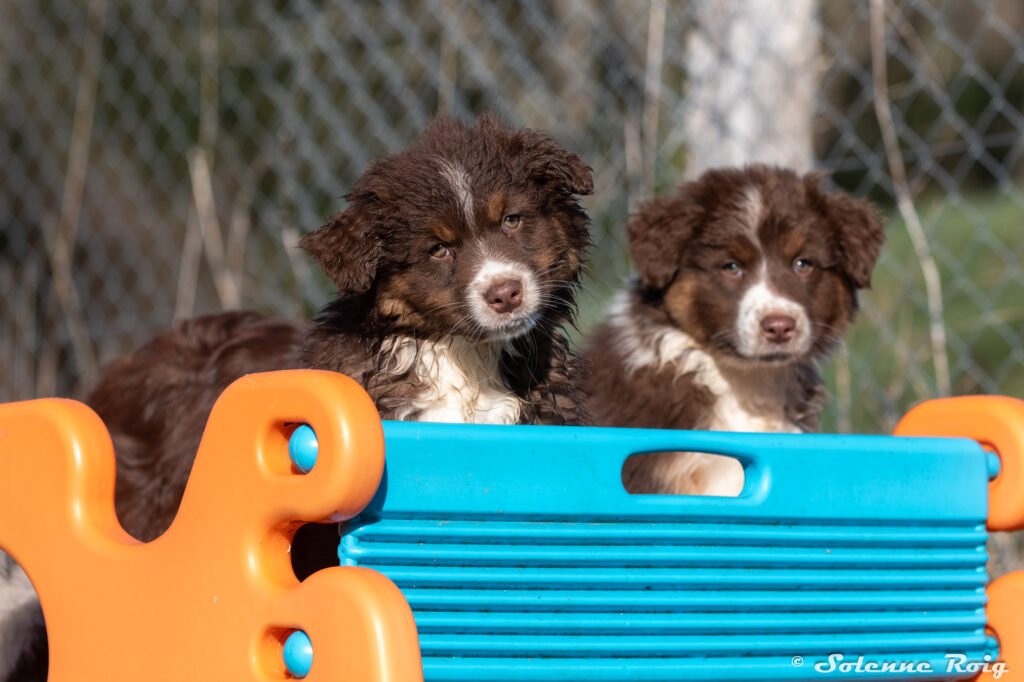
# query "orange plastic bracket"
(997, 423)
(214, 597)
(1005, 597)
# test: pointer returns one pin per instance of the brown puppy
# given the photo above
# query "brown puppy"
(456, 265)
(746, 278)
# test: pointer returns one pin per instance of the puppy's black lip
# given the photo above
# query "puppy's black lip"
(780, 358)
(726, 348)
(774, 357)
(512, 328)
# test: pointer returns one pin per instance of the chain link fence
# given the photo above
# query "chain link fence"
(161, 159)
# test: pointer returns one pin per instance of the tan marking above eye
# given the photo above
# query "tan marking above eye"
(443, 232)
(496, 207)
(795, 242)
(739, 247)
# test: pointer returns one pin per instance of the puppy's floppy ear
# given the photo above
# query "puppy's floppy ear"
(347, 248)
(658, 231)
(549, 161)
(856, 227)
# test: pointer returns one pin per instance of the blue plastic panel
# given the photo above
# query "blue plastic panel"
(525, 559)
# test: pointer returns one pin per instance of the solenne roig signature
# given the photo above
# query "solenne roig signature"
(955, 663)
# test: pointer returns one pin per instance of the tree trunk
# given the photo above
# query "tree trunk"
(753, 73)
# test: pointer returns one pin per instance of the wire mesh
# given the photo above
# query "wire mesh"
(160, 159)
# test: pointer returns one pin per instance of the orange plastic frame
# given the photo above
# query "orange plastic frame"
(998, 424)
(214, 597)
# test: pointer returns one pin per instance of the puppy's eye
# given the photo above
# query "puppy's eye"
(732, 269)
(802, 266)
(439, 251)
(511, 222)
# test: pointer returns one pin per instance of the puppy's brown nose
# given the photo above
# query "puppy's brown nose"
(504, 296)
(778, 328)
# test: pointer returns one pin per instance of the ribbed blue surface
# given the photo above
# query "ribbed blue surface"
(524, 559)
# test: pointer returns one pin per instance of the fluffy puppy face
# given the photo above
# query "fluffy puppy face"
(759, 264)
(473, 231)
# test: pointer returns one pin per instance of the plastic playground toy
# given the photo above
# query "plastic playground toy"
(214, 598)
(517, 550)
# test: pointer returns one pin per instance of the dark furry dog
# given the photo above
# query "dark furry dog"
(746, 277)
(155, 402)
(456, 265)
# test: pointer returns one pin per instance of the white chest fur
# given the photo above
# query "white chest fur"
(746, 399)
(460, 380)
(754, 402)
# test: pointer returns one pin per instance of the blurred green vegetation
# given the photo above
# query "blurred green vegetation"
(978, 244)
(886, 365)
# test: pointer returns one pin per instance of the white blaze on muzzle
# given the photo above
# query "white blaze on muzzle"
(513, 323)
(759, 302)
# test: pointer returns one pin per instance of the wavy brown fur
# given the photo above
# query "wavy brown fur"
(155, 401)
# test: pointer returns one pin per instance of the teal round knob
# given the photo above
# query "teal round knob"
(298, 654)
(303, 447)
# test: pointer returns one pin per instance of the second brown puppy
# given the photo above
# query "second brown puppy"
(746, 278)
